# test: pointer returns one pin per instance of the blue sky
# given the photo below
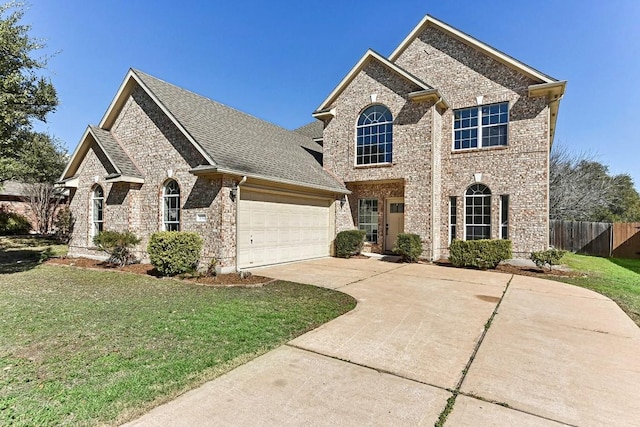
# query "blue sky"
(279, 60)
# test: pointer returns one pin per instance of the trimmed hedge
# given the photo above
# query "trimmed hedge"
(118, 245)
(409, 246)
(549, 257)
(482, 254)
(349, 243)
(174, 252)
(13, 223)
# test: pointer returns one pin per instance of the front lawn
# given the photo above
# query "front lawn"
(88, 347)
(616, 278)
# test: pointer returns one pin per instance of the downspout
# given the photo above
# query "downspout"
(242, 181)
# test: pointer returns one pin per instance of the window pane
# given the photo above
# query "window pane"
(368, 218)
(478, 212)
(375, 134)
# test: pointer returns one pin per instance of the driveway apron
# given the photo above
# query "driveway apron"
(423, 342)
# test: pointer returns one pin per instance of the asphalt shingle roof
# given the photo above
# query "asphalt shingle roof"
(115, 152)
(240, 142)
(313, 129)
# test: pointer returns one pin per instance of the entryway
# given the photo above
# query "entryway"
(394, 221)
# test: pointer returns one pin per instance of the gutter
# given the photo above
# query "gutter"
(242, 181)
(204, 169)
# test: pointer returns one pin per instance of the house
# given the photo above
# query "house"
(447, 138)
(16, 197)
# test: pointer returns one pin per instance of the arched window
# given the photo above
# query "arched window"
(97, 210)
(374, 142)
(171, 206)
(477, 212)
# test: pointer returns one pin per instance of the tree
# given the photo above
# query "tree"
(43, 199)
(581, 189)
(25, 95)
(625, 202)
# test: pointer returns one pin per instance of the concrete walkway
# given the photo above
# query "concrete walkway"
(511, 350)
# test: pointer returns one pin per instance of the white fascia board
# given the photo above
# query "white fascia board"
(118, 102)
(471, 41)
(123, 91)
(204, 171)
(75, 154)
(68, 183)
(126, 178)
(370, 54)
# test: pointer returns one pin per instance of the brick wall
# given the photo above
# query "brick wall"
(461, 74)
(161, 152)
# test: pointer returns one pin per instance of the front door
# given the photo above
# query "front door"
(394, 221)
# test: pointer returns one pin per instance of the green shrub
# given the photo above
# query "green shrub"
(482, 254)
(549, 257)
(118, 245)
(349, 243)
(63, 224)
(13, 223)
(174, 252)
(409, 246)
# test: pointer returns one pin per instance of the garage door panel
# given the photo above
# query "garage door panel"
(281, 228)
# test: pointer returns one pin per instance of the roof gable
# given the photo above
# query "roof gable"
(229, 140)
(369, 56)
(119, 161)
(430, 21)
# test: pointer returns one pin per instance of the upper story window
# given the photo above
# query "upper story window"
(483, 126)
(171, 206)
(374, 143)
(97, 210)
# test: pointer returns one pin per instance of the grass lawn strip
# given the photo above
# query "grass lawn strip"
(87, 347)
(616, 278)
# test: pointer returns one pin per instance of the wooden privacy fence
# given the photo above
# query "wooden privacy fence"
(620, 240)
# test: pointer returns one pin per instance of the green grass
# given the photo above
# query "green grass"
(616, 278)
(81, 347)
(21, 253)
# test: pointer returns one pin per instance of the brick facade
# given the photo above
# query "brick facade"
(161, 152)
(425, 170)
(423, 158)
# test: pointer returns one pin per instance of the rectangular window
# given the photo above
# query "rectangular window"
(489, 131)
(172, 213)
(504, 216)
(98, 219)
(478, 217)
(453, 218)
(368, 218)
(396, 207)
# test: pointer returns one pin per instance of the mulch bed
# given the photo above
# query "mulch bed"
(232, 279)
(541, 273)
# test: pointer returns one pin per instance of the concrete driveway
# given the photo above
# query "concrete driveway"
(499, 349)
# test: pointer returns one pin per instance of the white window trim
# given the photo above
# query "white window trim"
(164, 205)
(355, 140)
(94, 230)
(377, 223)
(464, 212)
(508, 216)
(480, 146)
(451, 224)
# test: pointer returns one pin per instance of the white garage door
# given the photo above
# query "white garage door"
(277, 228)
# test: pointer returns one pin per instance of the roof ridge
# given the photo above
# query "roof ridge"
(214, 101)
